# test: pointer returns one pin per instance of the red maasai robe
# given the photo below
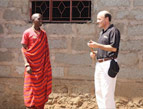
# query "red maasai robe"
(38, 85)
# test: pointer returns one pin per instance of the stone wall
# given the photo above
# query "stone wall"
(72, 66)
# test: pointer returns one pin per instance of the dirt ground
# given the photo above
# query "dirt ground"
(87, 101)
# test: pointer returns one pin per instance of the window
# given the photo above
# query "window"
(62, 10)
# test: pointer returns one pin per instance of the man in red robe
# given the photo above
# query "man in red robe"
(38, 71)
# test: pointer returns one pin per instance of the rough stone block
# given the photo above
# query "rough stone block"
(135, 30)
(16, 3)
(20, 58)
(128, 59)
(57, 71)
(16, 29)
(134, 87)
(85, 29)
(131, 45)
(11, 95)
(4, 3)
(59, 29)
(1, 29)
(134, 14)
(116, 2)
(137, 2)
(79, 72)
(10, 42)
(73, 86)
(130, 72)
(6, 56)
(14, 14)
(57, 43)
(22, 8)
(140, 55)
(120, 26)
(98, 6)
(75, 59)
(5, 71)
(122, 14)
(80, 44)
(138, 15)
(20, 69)
(129, 88)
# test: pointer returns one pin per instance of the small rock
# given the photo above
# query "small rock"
(49, 102)
(87, 95)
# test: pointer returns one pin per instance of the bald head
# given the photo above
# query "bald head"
(105, 14)
(103, 19)
(37, 20)
(36, 15)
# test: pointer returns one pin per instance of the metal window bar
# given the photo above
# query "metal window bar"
(62, 10)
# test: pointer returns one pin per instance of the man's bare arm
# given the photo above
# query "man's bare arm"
(29, 70)
(93, 44)
(24, 58)
(106, 47)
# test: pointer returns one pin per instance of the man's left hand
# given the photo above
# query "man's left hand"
(92, 44)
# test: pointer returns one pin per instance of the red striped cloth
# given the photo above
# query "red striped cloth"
(38, 85)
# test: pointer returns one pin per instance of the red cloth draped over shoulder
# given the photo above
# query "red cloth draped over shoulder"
(38, 85)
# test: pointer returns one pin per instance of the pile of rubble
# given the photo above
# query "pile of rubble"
(87, 101)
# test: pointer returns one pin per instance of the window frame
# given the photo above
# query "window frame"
(51, 8)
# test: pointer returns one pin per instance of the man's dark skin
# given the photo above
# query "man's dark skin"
(37, 23)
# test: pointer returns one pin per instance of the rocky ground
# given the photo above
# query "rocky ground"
(87, 101)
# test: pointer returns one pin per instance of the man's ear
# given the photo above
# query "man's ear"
(107, 19)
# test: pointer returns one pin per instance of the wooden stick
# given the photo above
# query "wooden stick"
(92, 50)
(93, 59)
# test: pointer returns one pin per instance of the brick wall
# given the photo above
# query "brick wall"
(72, 66)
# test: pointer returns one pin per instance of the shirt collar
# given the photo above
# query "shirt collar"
(107, 28)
